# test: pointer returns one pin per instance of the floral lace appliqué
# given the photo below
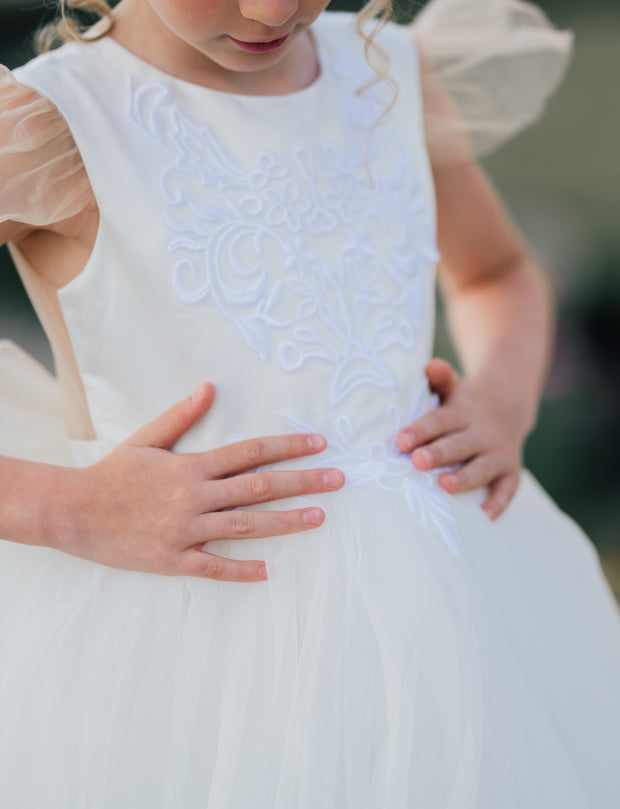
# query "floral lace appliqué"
(320, 254)
(385, 465)
(311, 256)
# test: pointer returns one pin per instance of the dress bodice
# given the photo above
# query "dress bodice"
(281, 247)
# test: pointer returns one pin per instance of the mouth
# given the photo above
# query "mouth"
(259, 47)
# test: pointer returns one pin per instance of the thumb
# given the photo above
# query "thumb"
(441, 377)
(164, 431)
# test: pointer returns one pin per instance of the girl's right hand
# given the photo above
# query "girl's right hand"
(143, 507)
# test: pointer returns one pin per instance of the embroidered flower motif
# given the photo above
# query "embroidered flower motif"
(318, 255)
(383, 464)
(312, 257)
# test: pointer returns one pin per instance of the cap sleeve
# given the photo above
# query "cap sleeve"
(487, 70)
(42, 177)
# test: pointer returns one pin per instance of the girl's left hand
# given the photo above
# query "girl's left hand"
(472, 429)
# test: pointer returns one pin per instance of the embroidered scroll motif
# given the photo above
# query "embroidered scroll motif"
(312, 257)
(385, 465)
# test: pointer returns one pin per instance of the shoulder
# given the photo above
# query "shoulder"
(68, 65)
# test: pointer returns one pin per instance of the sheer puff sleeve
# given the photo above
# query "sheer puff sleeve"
(42, 177)
(488, 67)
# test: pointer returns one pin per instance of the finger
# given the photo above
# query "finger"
(245, 455)
(480, 471)
(261, 487)
(455, 448)
(167, 429)
(445, 419)
(501, 492)
(239, 524)
(441, 377)
(206, 565)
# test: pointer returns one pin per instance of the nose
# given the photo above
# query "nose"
(269, 12)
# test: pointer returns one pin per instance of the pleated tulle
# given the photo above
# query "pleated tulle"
(42, 176)
(373, 669)
(488, 69)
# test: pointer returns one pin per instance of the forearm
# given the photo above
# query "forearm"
(502, 326)
(30, 501)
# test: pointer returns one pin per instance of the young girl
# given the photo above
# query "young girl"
(229, 199)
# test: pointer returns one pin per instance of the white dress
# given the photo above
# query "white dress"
(409, 653)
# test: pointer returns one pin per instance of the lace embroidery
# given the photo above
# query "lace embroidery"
(308, 256)
(383, 463)
(321, 254)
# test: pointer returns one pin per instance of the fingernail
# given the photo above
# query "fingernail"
(267, 570)
(316, 441)
(313, 516)
(406, 441)
(489, 511)
(425, 456)
(198, 392)
(449, 483)
(332, 478)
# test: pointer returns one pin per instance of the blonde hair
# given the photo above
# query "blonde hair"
(375, 14)
(68, 29)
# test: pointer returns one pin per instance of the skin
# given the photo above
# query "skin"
(497, 306)
(498, 309)
(181, 39)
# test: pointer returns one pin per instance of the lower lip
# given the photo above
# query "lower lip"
(259, 47)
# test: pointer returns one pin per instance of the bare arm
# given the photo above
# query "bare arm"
(497, 301)
(499, 315)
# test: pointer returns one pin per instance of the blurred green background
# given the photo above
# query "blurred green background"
(560, 181)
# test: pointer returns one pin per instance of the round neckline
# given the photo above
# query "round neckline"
(251, 98)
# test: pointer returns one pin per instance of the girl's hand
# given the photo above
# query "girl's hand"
(143, 507)
(470, 429)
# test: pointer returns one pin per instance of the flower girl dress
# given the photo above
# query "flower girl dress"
(409, 653)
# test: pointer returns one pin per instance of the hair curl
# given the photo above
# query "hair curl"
(375, 14)
(67, 28)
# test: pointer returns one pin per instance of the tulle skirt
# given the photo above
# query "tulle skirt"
(389, 662)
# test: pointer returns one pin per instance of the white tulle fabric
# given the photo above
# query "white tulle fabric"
(489, 66)
(371, 672)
